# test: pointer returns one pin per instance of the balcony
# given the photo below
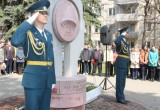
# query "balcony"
(123, 2)
(127, 17)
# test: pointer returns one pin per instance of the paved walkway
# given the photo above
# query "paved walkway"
(10, 85)
(145, 93)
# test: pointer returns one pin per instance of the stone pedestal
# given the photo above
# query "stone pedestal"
(67, 27)
(69, 93)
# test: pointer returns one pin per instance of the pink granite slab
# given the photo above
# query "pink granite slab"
(65, 20)
(69, 92)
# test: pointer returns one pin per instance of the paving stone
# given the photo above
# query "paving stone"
(143, 95)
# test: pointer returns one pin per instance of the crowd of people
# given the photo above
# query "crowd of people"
(89, 60)
(144, 62)
(12, 60)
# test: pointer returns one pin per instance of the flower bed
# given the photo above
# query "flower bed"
(92, 93)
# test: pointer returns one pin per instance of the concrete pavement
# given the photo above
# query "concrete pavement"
(10, 85)
(145, 93)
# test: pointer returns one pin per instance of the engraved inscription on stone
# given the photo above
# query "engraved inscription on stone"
(74, 86)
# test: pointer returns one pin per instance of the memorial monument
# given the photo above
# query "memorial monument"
(67, 27)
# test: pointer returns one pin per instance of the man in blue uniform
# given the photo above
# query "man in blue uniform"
(39, 74)
(121, 64)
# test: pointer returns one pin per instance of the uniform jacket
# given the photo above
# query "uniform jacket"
(122, 48)
(35, 76)
(134, 57)
(143, 57)
(153, 58)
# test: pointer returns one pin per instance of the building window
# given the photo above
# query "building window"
(111, 11)
(128, 9)
(97, 43)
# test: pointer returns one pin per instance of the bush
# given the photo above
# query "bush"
(90, 87)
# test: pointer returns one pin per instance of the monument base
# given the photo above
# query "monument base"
(69, 93)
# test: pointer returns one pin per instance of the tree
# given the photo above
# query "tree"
(157, 5)
(91, 13)
(13, 14)
(146, 10)
(150, 15)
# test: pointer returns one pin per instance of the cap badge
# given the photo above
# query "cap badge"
(45, 8)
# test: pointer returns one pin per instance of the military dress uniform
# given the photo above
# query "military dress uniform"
(39, 73)
(121, 67)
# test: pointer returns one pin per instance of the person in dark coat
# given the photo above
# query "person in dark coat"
(98, 60)
(9, 57)
(121, 64)
(91, 57)
(39, 73)
(85, 55)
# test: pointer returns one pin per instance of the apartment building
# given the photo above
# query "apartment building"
(127, 12)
